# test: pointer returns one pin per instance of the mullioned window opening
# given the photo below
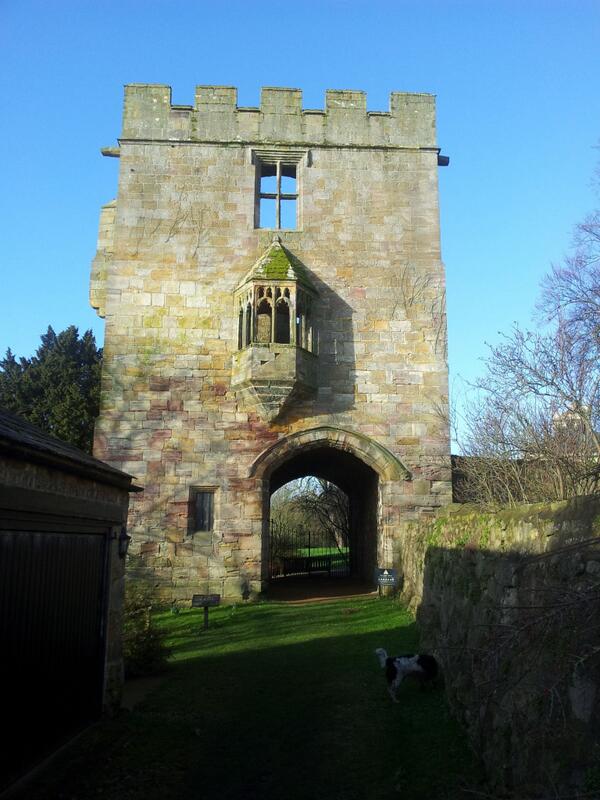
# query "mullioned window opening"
(277, 199)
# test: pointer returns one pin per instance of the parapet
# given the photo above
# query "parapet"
(149, 115)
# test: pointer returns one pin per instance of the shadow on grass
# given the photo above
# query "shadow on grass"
(302, 713)
(316, 587)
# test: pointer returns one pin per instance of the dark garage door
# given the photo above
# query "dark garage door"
(52, 601)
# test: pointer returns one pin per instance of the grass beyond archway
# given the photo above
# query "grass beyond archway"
(275, 701)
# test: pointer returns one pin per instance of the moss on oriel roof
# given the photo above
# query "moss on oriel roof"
(278, 264)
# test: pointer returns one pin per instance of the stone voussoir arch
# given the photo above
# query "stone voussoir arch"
(379, 458)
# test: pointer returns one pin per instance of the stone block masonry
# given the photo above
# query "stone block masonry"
(510, 603)
(362, 307)
(216, 117)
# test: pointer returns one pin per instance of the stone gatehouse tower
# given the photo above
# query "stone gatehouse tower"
(274, 302)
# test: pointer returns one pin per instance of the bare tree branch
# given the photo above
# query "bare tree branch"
(533, 431)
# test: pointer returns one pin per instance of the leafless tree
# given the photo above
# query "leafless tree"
(328, 505)
(313, 504)
(533, 432)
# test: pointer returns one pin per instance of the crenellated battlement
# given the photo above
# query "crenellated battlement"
(215, 117)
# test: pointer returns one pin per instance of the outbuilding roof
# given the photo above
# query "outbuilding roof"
(21, 439)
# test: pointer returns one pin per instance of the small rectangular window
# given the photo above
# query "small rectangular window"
(202, 510)
(277, 195)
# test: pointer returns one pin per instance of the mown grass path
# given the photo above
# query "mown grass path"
(274, 701)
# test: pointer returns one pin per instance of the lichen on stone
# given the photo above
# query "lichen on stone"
(278, 264)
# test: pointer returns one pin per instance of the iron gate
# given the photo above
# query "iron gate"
(305, 552)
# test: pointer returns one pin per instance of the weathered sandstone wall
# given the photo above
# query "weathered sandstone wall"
(510, 602)
(172, 249)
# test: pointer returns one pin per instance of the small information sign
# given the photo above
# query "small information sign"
(386, 576)
(204, 601)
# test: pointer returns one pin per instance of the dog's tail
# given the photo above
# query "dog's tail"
(382, 656)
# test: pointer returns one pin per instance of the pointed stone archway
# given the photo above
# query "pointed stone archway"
(367, 472)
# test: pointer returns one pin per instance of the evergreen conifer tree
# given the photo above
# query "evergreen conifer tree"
(58, 389)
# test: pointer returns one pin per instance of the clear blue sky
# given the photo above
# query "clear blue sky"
(518, 106)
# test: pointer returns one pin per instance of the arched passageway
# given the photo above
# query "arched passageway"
(369, 474)
(359, 482)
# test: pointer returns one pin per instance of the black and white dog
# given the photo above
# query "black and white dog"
(423, 667)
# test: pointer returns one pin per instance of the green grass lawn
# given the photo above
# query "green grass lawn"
(274, 701)
(323, 551)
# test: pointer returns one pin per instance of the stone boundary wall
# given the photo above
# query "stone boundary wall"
(215, 117)
(510, 604)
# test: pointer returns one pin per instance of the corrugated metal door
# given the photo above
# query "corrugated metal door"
(52, 639)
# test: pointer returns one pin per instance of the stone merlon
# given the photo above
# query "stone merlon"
(149, 115)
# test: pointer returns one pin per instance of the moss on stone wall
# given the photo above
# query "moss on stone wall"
(509, 604)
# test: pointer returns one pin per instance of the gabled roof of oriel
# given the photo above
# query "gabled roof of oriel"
(278, 264)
